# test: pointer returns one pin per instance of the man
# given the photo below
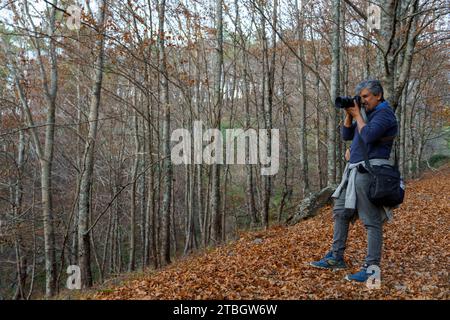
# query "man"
(375, 124)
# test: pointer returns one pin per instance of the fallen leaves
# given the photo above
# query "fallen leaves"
(274, 264)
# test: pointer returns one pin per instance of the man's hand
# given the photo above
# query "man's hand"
(348, 119)
(347, 155)
(353, 111)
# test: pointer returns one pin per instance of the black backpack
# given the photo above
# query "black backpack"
(386, 187)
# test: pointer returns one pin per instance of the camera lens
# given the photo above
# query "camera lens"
(343, 102)
(338, 103)
(347, 102)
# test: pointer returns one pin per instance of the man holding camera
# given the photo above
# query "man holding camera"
(369, 118)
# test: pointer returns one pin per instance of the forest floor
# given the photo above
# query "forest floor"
(274, 264)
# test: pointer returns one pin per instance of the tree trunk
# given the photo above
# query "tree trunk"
(302, 105)
(267, 106)
(216, 227)
(21, 258)
(132, 249)
(249, 188)
(167, 165)
(84, 249)
(334, 88)
(395, 77)
(403, 138)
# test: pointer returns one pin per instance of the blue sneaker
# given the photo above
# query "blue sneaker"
(360, 276)
(328, 262)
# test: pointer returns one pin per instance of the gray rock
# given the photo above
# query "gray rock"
(310, 205)
(258, 241)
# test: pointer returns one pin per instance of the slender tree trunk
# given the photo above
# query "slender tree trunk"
(250, 194)
(302, 105)
(173, 223)
(84, 248)
(334, 88)
(207, 215)
(343, 78)
(403, 138)
(216, 227)
(284, 111)
(167, 193)
(45, 154)
(318, 117)
(21, 259)
(132, 249)
(318, 134)
(269, 82)
(192, 207)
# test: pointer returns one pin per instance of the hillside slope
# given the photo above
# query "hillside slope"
(273, 264)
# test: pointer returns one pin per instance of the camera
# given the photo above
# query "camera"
(345, 102)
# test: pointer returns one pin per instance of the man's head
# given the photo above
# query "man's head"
(371, 93)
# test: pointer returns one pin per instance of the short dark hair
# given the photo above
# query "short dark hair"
(373, 86)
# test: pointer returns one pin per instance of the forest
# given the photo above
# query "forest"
(93, 94)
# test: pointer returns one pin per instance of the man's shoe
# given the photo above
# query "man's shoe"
(360, 276)
(328, 262)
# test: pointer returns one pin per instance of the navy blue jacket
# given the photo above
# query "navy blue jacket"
(381, 123)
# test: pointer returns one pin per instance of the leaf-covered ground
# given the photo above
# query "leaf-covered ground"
(274, 264)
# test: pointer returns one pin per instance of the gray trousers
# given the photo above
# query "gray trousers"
(371, 216)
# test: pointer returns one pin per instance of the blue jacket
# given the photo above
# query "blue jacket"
(381, 123)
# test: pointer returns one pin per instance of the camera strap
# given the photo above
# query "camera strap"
(364, 114)
(365, 152)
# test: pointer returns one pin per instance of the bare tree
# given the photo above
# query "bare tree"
(167, 193)
(302, 85)
(334, 92)
(84, 248)
(216, 219)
